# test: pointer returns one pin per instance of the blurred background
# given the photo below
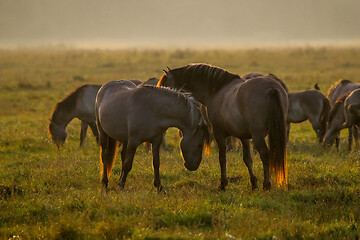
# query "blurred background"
(182, 24)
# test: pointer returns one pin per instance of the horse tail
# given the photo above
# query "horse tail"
(108, 152)
(324, 116)
(277, 137)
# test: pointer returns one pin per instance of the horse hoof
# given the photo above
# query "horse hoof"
(222, 187)
(121, 186)
(160, 189)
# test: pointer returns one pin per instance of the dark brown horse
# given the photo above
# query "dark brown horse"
(78, 104)
(246, 110)
(133, 115)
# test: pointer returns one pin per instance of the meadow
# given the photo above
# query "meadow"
(46, 193)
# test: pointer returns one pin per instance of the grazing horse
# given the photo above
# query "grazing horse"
(336, 92)
(344, 114)
(309, 105)
(243, 109)
(78, 104)
(133, 115)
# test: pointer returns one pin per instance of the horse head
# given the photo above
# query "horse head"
(167, 79)
(57, 132)
(193, 143)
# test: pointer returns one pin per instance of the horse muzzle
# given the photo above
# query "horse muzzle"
(191, 167)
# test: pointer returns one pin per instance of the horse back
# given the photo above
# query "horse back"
(85, 102)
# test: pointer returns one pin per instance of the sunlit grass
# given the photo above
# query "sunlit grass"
(52, 194)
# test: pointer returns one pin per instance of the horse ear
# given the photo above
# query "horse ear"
(165, 72)
(168, 68)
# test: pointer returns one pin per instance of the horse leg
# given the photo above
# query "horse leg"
(356, 134)
(287, 132)
(260, 145)
(94, 131)
(350, 129)
(128, 162)
(84, 127)
(315, 123)
(163, 142)
(156, 161)
(248, 162)
(337, 141)
(229, 144)
(220, 140)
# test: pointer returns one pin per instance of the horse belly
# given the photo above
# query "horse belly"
(234, 123)
(296, 113)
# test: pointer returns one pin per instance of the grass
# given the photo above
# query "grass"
(52, 194)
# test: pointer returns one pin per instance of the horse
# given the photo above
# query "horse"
(344, 114)
(336, 92)
(78, 104)
(247, 110)
(131, 115)
(309, 105)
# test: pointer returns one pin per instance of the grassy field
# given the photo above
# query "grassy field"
(52, 194)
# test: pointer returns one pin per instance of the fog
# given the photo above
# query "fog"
(185, 23)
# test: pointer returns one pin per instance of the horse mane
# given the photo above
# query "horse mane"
(335, 85)
(68, 103)
(340, 101)
(189, 100)
(210, 76)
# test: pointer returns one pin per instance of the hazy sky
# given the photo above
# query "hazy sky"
(178, 22)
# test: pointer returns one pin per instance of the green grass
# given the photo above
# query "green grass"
(51, 194)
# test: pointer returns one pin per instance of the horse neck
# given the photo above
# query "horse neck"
(62, 117)
(204, 94)
(178, 116)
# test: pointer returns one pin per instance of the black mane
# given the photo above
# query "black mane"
(210, 76)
